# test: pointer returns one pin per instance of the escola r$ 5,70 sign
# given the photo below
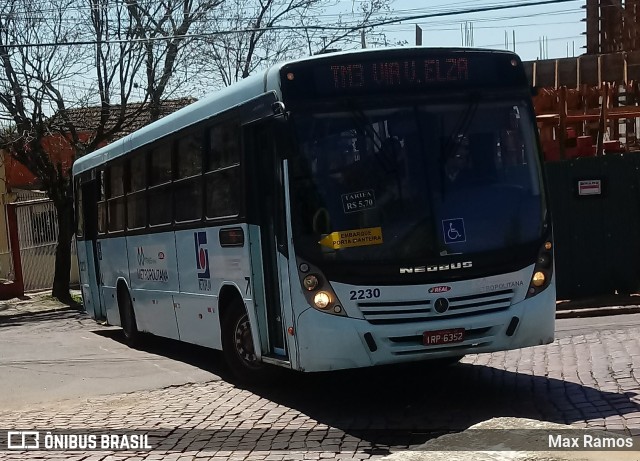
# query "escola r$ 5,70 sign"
(352, 238)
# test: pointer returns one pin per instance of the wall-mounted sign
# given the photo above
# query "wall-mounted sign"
(590, 187)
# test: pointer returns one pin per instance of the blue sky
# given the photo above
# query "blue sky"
(560, 24)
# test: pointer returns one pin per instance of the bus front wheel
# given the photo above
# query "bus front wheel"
(238, 348)
(128, 320)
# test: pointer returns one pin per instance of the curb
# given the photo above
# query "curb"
(596, 312)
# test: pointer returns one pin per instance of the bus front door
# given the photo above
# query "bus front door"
(270, 267)
(94, 305)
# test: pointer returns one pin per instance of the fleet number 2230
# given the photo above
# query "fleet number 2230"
(365, 294)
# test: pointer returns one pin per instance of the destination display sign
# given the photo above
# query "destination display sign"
(398, 73)
(393, 71)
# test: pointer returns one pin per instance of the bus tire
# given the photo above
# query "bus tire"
(128, 320)
(238, 348)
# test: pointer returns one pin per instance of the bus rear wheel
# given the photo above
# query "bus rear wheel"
(238, 347)
(128, 320)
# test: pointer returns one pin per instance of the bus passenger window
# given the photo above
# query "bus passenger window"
(160, 204)
(189, 156)
(222, 192)
(187, 192)
(222, 179)
(137, 196)
(115, 202)
(224, 146)
(138, 172)
(160, 165)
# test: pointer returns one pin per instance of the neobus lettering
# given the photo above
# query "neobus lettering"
(436, 268)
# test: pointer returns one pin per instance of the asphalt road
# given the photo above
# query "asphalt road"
(60, 355)
(57, 355)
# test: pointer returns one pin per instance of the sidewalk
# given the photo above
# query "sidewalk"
(37, 301)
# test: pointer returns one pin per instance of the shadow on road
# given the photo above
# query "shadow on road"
(12, 318)
(201, 357)
(402, 406)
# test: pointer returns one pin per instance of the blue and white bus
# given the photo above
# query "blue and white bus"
(341, 211)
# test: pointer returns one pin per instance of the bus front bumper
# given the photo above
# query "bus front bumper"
(328, 342)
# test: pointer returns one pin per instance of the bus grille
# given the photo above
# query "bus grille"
(394, 312)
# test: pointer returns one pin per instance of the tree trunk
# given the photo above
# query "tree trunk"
(61, 278)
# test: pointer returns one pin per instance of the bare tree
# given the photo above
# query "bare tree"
(128, 53)
(252, 34)
(30, 90)
(163, 28)
(349, 28)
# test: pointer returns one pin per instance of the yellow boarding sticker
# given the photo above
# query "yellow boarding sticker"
(353, 238)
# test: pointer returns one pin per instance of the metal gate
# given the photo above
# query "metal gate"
(38, 234)
(595, 205)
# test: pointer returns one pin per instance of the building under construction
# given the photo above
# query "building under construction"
(589, 104)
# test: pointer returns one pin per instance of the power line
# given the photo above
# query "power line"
(345, 28)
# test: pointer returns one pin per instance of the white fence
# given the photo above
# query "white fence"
(38, 234)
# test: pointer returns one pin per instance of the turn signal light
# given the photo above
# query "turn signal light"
(310, 282)
(538, 279)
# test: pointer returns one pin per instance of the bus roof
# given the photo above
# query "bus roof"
(223, 100)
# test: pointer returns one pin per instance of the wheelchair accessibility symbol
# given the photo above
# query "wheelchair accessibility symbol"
(453, 230)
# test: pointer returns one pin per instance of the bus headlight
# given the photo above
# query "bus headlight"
(317, 290)
(322, 299)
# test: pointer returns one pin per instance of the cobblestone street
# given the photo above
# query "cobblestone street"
(583, 380)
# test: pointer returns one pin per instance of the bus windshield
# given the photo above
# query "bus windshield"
(410, 182)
